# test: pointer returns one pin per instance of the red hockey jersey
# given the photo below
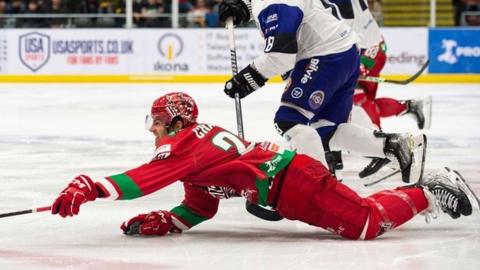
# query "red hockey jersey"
(211, 162)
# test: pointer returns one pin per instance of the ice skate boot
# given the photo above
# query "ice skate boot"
(374, 166)
(421, 110)
(451, 191)
(409, 151)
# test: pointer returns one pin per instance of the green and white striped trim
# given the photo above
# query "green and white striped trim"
(186, 214)
(128, 188)
(179, 224)
(112, 191)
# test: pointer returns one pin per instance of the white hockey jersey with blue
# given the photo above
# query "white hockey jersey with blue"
(359, 17)
(298, 29)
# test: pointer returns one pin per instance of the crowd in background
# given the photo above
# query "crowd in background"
(146, 13)
(467, 12)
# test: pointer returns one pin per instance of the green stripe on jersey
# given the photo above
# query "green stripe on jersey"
(277, 163)
(262, 187)
(271, 168)
(128, 188)
(186, 214)
(368, 62)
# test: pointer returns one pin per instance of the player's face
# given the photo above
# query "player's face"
(158, 128)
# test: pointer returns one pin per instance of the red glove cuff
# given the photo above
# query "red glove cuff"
(153, 223)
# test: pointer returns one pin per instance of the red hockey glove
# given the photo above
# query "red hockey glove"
(81, 190)
(153, 223)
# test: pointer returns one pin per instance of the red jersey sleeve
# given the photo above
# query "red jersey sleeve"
(171, 161)
(197, 206)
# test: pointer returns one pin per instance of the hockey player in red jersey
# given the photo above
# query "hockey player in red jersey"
(372, 62)
(215, 164)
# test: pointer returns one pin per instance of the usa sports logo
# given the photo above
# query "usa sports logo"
(34, 50)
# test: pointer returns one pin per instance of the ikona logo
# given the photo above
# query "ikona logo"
(34, 50)
(452, 52)
(170, 46)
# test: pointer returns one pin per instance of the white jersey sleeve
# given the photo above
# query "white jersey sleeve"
(359, 17)
(298, 29)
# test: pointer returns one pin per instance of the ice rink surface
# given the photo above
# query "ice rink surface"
(51, 133)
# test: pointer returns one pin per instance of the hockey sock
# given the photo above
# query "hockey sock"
(390, 107)
(355, 139)
(392, 208)
(305, 140)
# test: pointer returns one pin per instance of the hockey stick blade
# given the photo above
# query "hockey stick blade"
(263, 213)
(402, 82)
(28, 211)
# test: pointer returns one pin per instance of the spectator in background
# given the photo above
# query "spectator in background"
(118, 7)
(151, 12)
(375, 7)
(105, 7)
(458, 8)
(137, 12)
(57, 7)
(472, 15)
(16, 7)
(212, 17)
(34, 8)
(196, 16)
(3, 10)
(184, 6)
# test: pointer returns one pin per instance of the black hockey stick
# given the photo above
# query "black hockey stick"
(233, 61)
(24, 212)
(402, 82)
(252, 208)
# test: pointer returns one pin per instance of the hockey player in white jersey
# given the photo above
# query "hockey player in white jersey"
(373, 58)
(311, 37)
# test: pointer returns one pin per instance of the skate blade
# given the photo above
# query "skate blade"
(419, 149)
(427, 112)
(382, 175)
(465, 187)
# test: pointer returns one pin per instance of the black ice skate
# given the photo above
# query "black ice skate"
(374, 166)
(421, 110)
(408, 151)
(451, 192)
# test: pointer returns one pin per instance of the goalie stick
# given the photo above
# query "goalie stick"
(402, 82)
(24, 212)
(252, 208)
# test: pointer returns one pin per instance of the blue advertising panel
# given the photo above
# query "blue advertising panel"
(454, 50)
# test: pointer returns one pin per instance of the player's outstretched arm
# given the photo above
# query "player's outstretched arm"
(79, 191)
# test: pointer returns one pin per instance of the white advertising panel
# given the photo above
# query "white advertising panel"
(69, 51)
(193, 51)
(3, 53)
(162, 51)
(407, 49)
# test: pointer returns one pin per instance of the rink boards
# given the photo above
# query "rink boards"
(202, 55)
